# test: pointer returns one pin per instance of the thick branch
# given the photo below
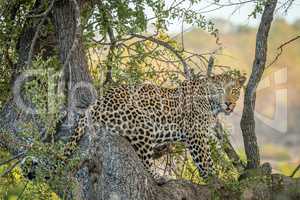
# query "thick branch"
(247, 121)
(11, 116)
(114, 171)
(66, 19)
(106, 23)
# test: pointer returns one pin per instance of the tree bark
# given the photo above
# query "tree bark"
(113, 170)
(66, 19)
(247, 121)
(11, 115)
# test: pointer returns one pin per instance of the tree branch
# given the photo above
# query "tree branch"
(106, 16)
(114, 171)
(210, 65)
(13, 158)
(186, 69)
(280, 48)
(7, 171)
(77, 32)
(295, 171)
(36, 34)
(228, 148)
(45, 13)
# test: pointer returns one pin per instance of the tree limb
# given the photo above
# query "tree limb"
(36, 34)
(7, 171)
(186, 69)
(114, 171)
(106, 16)
(45, 13)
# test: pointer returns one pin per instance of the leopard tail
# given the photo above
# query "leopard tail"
(75, 138)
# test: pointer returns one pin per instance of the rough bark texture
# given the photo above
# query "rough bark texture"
(66, 20)
(11, 117)
(247, 121)
(113, 171)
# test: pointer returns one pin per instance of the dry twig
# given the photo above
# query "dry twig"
(295, 171)
(13, 158)
(280, 48)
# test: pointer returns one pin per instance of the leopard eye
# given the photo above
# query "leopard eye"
(221, 91)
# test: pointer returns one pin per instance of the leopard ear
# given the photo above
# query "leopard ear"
(242, 79)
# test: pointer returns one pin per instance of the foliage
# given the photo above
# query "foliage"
(42, 92)
(11, 22)
(178, 163)
(45, 101)
(258, 8)
(14, 185)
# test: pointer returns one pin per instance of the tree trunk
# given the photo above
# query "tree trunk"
(11, 115)
(247, 121)
(66, 19)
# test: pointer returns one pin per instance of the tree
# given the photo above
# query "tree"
(247, 121)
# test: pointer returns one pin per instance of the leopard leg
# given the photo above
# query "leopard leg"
(145, 153)
(201, 154)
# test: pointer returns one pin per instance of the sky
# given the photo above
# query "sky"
(238, 16)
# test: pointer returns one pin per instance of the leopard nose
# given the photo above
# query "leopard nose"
(228, 103)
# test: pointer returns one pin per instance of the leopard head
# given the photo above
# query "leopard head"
(225, 91)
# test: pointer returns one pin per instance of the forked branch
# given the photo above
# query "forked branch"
(186, 69)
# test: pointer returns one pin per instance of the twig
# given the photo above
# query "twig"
(13, 158)
(210, 65)
(112, 38)
(280, 48)
(20, 195)
(44, 14)
(186, 69)
(295, 171)
(36, 34)
(35, 37)
(10, 169)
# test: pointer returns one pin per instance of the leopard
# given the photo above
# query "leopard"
(148, 115)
